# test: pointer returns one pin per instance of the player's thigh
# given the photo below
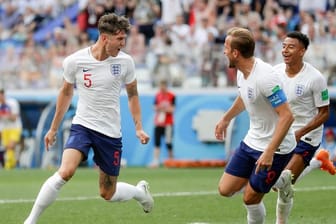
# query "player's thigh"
(71, 159)
(238, 170)
(305, 151)
(230, 184)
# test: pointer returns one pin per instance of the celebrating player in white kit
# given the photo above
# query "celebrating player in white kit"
(307, 94)
(98, 72)
(259, 160)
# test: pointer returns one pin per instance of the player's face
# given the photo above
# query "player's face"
(114, 43)
(292, 50)
(229, 52)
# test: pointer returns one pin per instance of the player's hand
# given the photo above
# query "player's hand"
(220, 130)
(264, 162)
(142, 136)
(50, 139)
(298, 135)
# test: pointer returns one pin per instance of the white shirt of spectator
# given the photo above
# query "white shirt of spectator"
(99, 84)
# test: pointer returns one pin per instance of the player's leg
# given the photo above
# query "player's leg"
(301, 159)
(303, 153)
(107, 155)
(114, 191)
(285, 197)
(235, 178)
(237, 172)
(320, 161)
(49, 190)
(256, 211)
(326, 164)
(76, 150)
(261, 183)
(285, 189)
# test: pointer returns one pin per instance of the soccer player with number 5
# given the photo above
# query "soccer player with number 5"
(98, 72)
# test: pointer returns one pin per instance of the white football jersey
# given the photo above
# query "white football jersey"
(99, 84)
(254, 92)
(305, 93)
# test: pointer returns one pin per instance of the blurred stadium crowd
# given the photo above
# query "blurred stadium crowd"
(179, 40)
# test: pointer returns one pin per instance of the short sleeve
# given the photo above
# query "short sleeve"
(69, 68)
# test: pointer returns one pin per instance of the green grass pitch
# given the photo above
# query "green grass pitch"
(182, 196)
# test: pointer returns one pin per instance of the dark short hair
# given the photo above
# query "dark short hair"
(301, 37)
(111, 23)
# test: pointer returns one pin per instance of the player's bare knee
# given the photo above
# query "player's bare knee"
(224, 192)
(66, 174)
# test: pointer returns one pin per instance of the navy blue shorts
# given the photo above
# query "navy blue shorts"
(306, 150)
(242, 164)
(107, 150)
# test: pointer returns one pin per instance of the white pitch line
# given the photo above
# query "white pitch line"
(163, 194)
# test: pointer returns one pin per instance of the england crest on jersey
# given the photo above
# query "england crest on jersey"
(115, 69)
(299, 88)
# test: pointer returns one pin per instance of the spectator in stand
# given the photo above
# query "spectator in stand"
(170, 9)
(10, 17)
(121, 7)
(56, 54)
(83, 40)
(157, 59)
(135, 45)
(90, 12)
(146, 13)
(210, 61)
(10, 128)
(204, 9)
(9, 72)
(30, 73)
(164, 107)
(178, 33)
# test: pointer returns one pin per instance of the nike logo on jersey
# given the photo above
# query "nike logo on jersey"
(85, 69)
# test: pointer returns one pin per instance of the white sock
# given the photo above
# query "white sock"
(46, 196)
(283, 210)
(125, 192)
(314, 164)
(256, 213)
